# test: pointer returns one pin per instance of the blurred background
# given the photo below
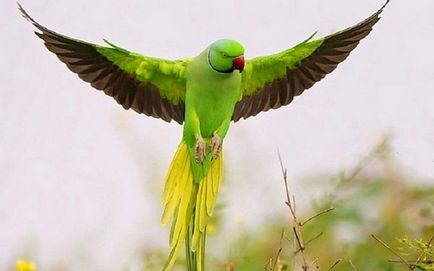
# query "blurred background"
(82, 178)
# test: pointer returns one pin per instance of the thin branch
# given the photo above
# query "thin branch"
(276, 260)
(430, 241)
(297, 226)
(299, 241)
(336, 263)
(317, 215)
(309, 241)
(292, 207)
(393, 251)
(412, 262)
(313, 239)
(352, 265)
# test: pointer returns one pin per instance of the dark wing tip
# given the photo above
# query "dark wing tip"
(368, 23)
(26, 15)
(385, 4)
(377, 14)
(30, 19)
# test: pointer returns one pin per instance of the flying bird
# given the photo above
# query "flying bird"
(205, 94)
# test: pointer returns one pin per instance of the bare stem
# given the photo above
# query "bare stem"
(393, 251)
(336, 263)
(309, 241)
(292, 207)
(317, 215)
(276, 260)
(297, 226)
(352, 265)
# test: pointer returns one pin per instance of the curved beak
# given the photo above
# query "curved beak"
(238, 63)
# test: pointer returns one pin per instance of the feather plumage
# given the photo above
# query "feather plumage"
(189, 204)
(152, 86)
(270, 82)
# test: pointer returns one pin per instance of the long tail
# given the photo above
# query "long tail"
(190, 204)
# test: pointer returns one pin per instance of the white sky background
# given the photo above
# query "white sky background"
(81, 177)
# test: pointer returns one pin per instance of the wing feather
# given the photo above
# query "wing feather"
(273, 81)
(114, 71)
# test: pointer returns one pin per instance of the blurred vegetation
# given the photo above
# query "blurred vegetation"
(371, 217)
(368, 218)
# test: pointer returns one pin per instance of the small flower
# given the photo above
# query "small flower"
(25, 266)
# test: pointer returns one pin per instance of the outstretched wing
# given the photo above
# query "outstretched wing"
(152, 86)
(273, 81)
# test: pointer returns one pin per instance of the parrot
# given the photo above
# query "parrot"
(205, 94)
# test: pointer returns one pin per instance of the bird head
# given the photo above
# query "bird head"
(226, 56)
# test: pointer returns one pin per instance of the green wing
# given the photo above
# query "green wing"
(152, 86)
(273, 81)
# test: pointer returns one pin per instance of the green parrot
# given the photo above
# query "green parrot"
(204, 93)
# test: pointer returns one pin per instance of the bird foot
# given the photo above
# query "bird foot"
(216, 143)
(200, 150)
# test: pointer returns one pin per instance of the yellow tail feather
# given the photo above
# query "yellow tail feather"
(189, 203)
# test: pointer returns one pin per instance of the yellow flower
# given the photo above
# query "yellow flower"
(25, 266)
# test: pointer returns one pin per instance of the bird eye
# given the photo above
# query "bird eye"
(225, 55)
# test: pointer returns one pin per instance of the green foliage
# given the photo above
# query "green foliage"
(419, 249)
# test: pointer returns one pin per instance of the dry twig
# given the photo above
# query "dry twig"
(336, 263)
(411, 267)
(276, 260)
(296, 224)
(317, 215)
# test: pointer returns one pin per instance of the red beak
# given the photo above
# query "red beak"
(238, 63)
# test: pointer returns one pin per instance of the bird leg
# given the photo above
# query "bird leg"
(216, 143)
(200, 150)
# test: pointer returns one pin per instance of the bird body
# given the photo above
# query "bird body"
(210, 100)
(210, 96)
(192, 183)
(205, 94)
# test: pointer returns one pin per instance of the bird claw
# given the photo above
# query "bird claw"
(200, 150)
(216, 143)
